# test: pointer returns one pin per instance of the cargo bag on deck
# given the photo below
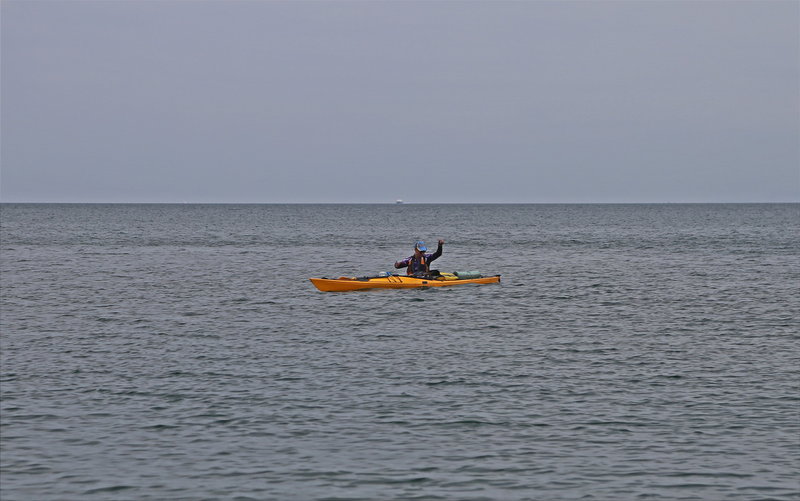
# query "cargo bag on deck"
(463, 275)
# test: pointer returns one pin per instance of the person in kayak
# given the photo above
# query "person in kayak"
(419, 263)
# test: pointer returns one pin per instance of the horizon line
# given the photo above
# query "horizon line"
(403, 203)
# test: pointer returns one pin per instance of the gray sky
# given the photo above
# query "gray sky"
(428, 101)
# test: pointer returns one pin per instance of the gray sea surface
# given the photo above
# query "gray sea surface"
(154, 352)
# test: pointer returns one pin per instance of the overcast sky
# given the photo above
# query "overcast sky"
(428, 101)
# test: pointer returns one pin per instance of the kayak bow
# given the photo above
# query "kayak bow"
(391, 282)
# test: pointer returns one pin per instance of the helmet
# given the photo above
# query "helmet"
(420, 246)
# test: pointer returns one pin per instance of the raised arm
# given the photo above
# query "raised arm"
(438, 251)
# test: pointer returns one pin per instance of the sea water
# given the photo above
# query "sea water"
(154, 352)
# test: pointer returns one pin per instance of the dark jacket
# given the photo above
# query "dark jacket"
(419, 265)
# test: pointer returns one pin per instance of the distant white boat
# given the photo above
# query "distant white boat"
(398, 201)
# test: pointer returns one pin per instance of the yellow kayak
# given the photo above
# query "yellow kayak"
(392, 282)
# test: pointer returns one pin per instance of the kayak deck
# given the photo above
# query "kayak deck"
(342, 284)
